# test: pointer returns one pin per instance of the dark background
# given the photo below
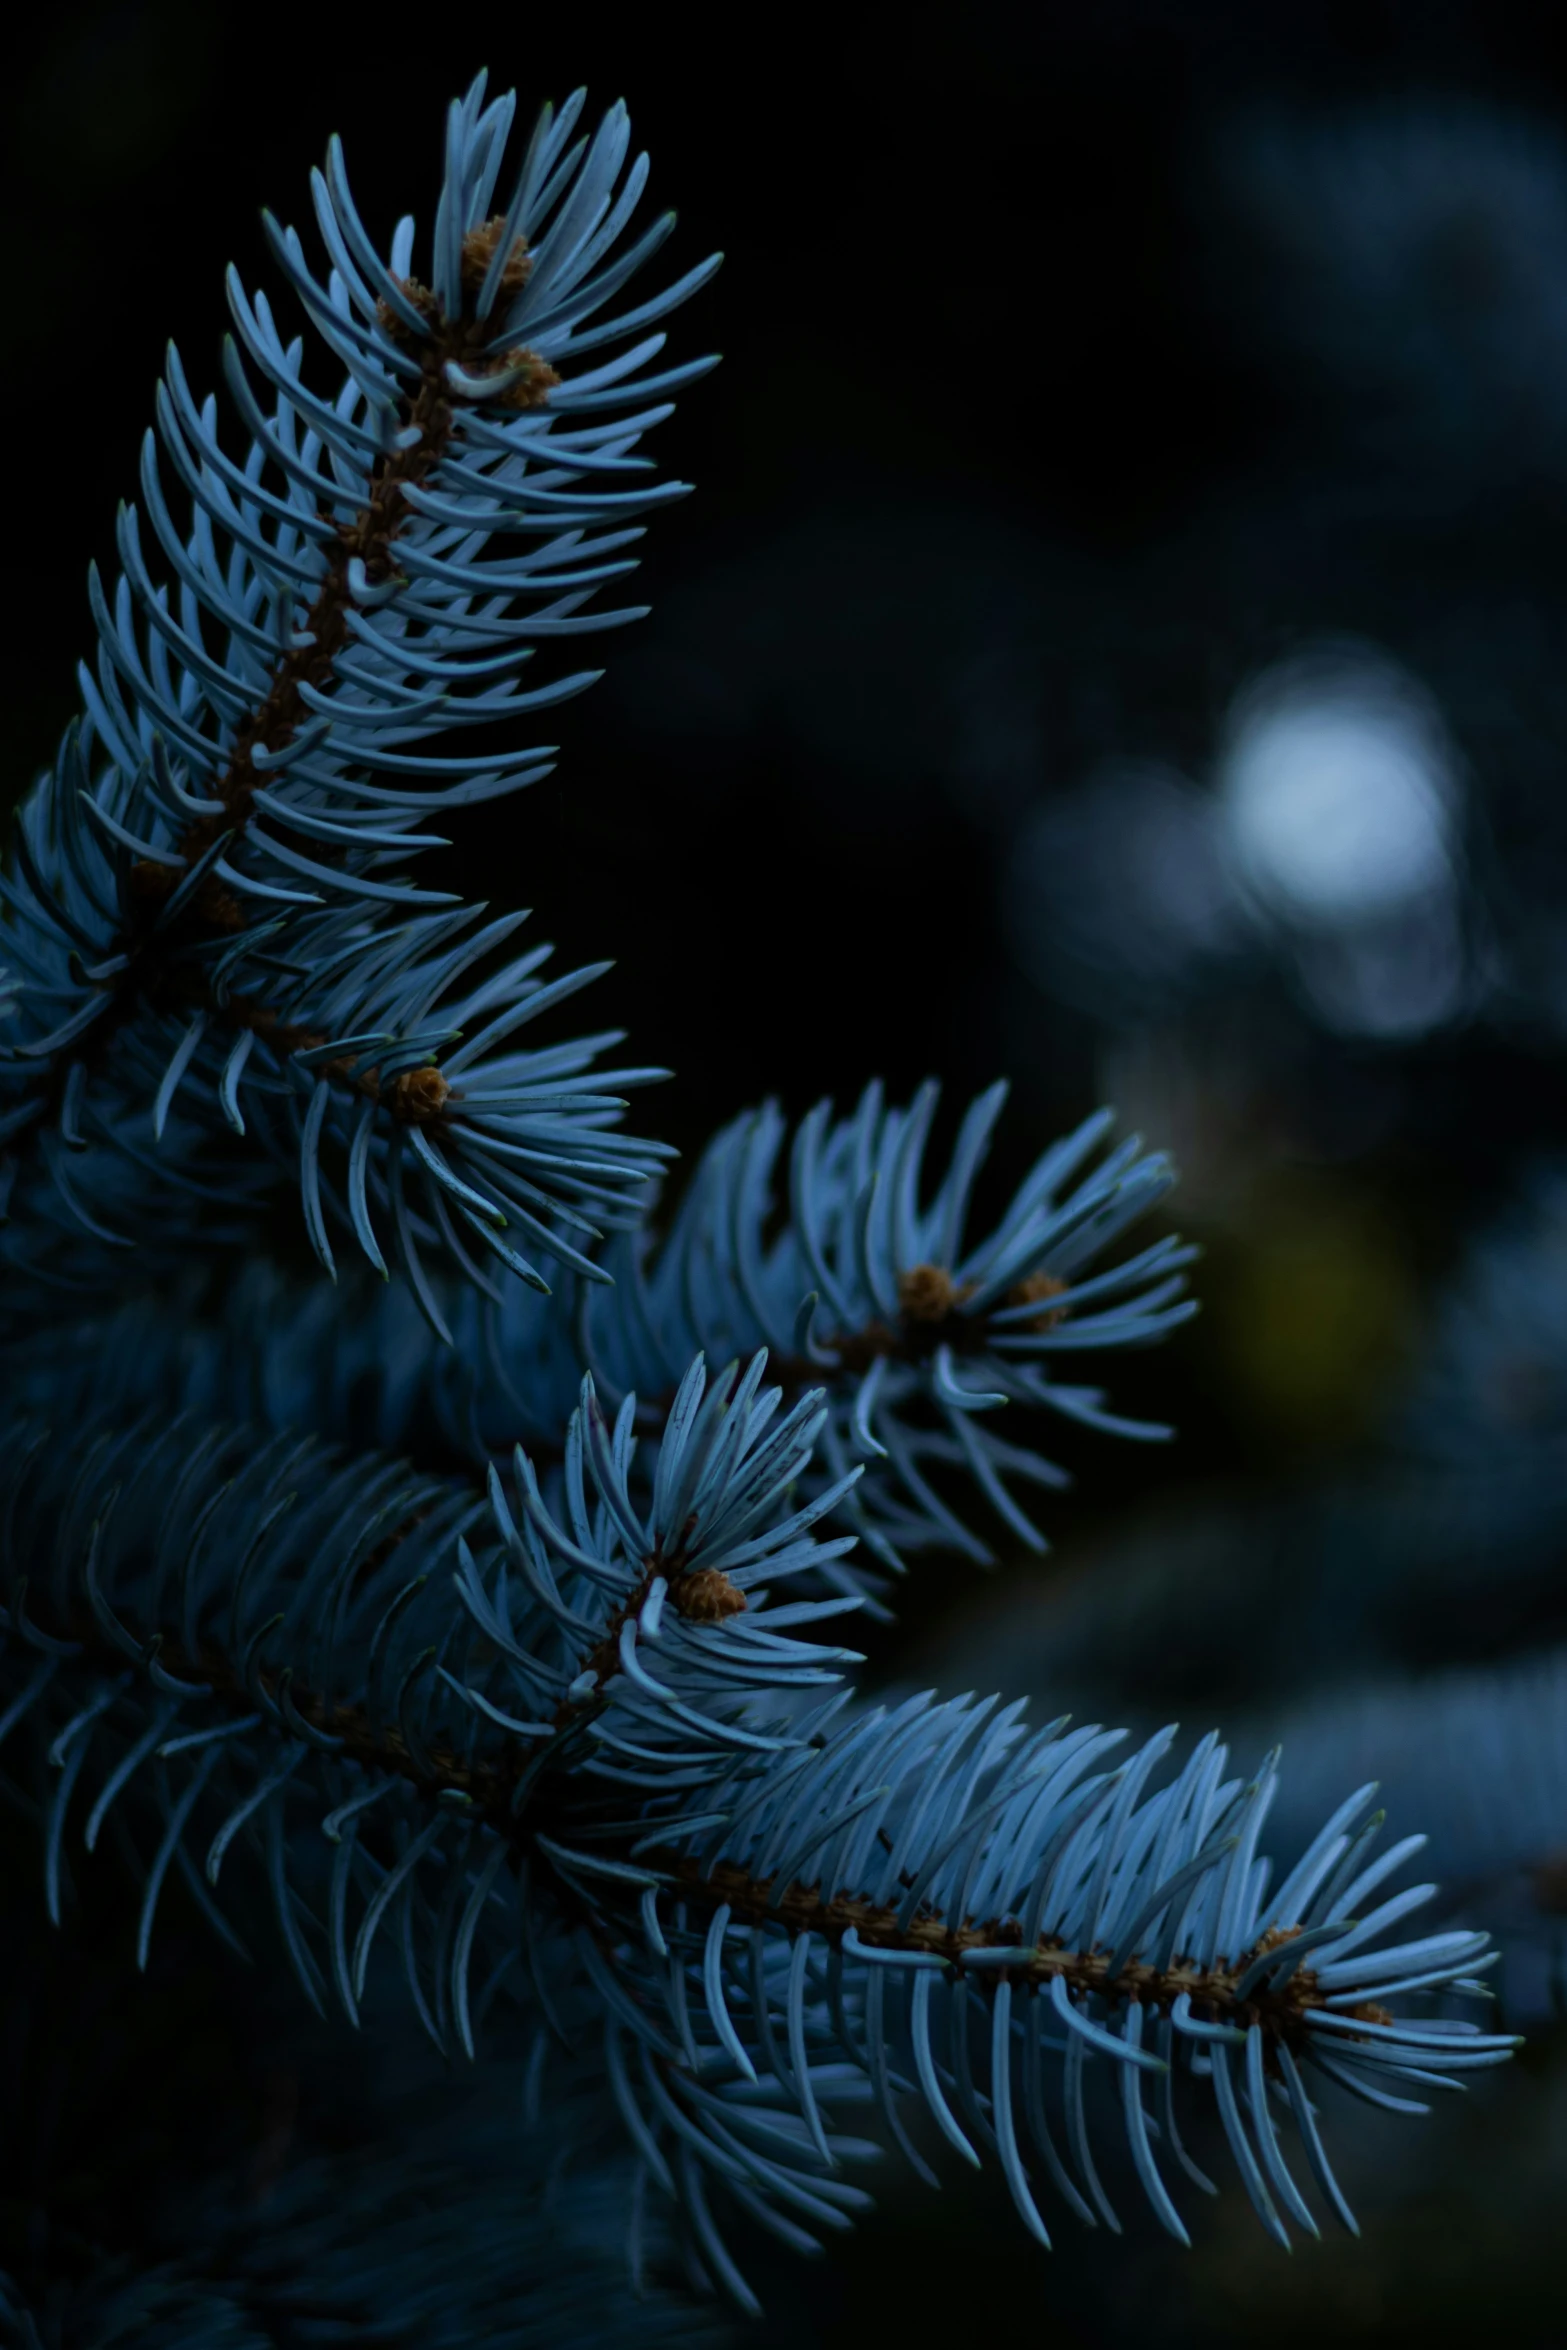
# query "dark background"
(1078, 365)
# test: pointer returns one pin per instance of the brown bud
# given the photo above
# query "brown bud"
(533, 387)
(417, 1095)
(478, 251)
(1038, 1285)
(928, 1293)
(707, 1596)
(393, 323)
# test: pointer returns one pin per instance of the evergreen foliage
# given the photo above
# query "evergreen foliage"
(469, 1646)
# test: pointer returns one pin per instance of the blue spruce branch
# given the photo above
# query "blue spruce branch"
(208, 910)
(603, 1747)
(563, 1725)
(928, 1335)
